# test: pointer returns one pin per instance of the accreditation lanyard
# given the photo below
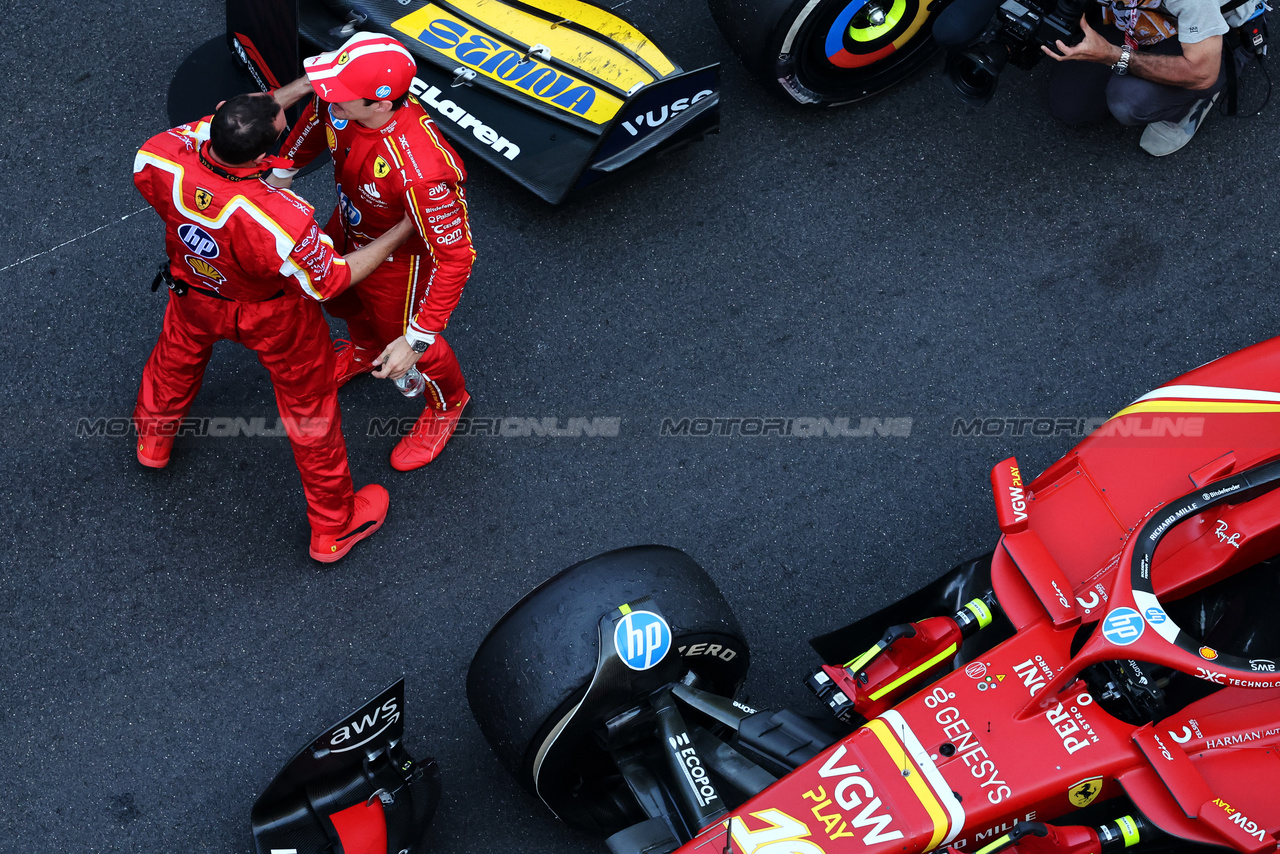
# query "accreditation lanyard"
(1131, 22)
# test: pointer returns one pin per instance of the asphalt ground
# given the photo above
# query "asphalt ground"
(166, 642)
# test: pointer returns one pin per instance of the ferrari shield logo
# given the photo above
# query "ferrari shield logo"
(1083, 793)
(203, 198)
(342, 58)
(380, 168)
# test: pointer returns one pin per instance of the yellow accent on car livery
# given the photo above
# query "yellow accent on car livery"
(608, 25)
(937, 814)
(590, 53)
(505, 64)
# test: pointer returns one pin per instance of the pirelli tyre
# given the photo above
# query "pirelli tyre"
(528, 682)
(829, 52)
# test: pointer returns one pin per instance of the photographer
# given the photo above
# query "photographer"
(1128, 64)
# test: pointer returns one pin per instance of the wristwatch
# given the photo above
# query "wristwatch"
(420, 342)
(1122, 64)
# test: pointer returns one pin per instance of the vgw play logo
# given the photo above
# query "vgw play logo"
(642, 639)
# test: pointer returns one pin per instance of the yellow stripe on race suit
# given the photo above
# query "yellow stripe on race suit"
(942, 656)
(603, 22)
(504, 62)
(1197, 406)
(590, 54)
(926, 781)
(283, 242)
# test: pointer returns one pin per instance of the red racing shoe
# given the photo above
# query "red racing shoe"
(350, 361)
(367, 517)
(153, 451)
(428, 437)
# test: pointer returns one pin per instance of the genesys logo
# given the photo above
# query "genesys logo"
(642, 639)
(198, 240)
(359, 732)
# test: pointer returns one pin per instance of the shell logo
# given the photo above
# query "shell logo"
(1208, 653)
(203, 268)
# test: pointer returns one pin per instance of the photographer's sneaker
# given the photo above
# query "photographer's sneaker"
(367, 516)
(430, 433)
(350, 361)
(1161, 138)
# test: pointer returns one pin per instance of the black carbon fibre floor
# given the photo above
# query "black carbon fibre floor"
(166, 641)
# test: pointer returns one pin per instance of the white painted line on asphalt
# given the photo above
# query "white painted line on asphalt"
(74, 239)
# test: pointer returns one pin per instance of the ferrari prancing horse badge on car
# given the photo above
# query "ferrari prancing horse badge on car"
(1083, 793)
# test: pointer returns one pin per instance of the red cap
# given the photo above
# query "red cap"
(369, 65)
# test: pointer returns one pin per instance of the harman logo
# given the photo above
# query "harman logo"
(654, 118)
(642, 639)
(366, 728)
(198, 240)
(465, 121)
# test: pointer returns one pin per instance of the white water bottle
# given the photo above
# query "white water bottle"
(412, 383)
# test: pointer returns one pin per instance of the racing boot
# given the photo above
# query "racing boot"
(367, 517)
(153, 451)
(350, 361)
(428, 437)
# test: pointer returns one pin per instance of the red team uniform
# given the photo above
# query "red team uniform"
(256, 265)
(382, 173)
(403, 166)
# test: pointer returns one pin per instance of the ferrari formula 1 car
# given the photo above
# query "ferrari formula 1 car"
(555, 94)
(1104, 679)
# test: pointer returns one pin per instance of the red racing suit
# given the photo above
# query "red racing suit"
(405, 165)
(256, 265)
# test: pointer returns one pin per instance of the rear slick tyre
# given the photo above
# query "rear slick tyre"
(829, 52)
(535, 665)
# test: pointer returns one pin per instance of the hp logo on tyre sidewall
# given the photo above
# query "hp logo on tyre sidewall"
(642, 639)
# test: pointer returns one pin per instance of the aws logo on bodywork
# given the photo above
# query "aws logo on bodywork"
(508, 65)
(365, 727)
